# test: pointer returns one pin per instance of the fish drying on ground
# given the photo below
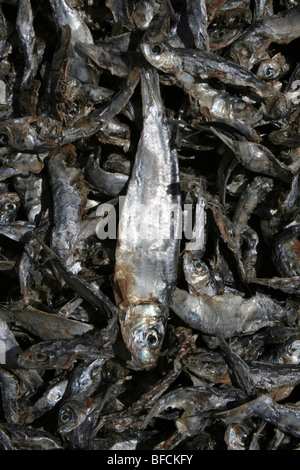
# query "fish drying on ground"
(149, 225)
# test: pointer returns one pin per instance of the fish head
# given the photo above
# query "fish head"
(222, 37)
(292, 354)
(272, 69)
(196, 272)
(47, 357)
(71, 414)
(143, 329)
(194, 268)
(9, 205)
(159, 55)
(143, 14)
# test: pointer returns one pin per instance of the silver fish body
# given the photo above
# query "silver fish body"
(38, 322)
(146, 263)
(189, 65)
(69, 201)
(228, 313)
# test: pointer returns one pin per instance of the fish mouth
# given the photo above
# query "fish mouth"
(143, 358)
(136, 364)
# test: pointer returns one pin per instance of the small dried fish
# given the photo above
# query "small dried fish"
(69, 198)
(231, 314)
(60, 354)
(149, 225)
(189, 65)
(106, 182)
(284, 417)
(66, 15)
(37, 322)
(251, 46)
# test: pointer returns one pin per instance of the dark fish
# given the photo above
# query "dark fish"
(106, 182)
(54, 354)
(197, 18)
(86, 290)
(285, 254)
(229, 22)
(12, 390)
(37, 322)
(251, 46)
(149, 225)
(33, 51)
(284, 417)
(287, 353)
(25, 438)
(239, 371)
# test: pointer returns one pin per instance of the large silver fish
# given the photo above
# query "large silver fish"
(148, 238)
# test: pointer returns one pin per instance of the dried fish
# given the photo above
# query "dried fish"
(190, 65)
(149, 225)
(69, 202)
(61, 354)
(23, 437)
(228, 23)
(231, 314)
(106, 182)
(145, 270)
(37, 322)
(66, 15)
(33, 52)
(256, 157)
(197, 18)
(47, 401)
(284, 417)
(254, 42)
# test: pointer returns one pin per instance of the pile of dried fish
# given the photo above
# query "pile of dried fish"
(149, 231)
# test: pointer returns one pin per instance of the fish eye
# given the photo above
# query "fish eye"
(295, 347)
(157, 49)
(41, 357)
(66, 414)
(197, 263)
(9, 206)
(152, 338)
(269, 72)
